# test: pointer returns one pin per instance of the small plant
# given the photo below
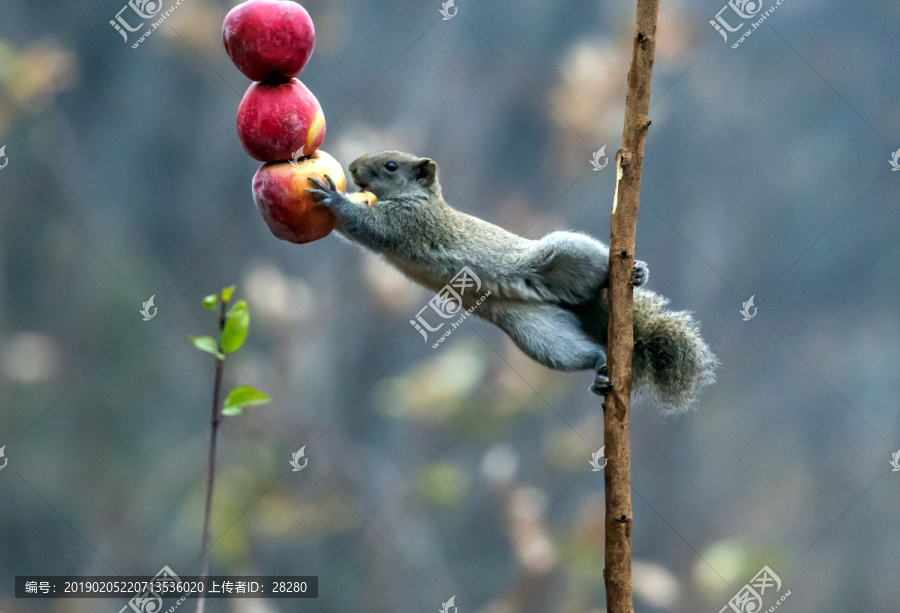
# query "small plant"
(234, 324)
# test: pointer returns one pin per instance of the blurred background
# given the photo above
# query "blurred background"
(461, 470)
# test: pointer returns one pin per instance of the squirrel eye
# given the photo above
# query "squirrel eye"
(392, 166)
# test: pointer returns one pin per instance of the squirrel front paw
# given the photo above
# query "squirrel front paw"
(640, 274)
(327, 194)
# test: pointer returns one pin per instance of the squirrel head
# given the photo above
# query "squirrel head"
(394, 174)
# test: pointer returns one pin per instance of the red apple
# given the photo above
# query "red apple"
(292, 213)
(280, 121)
(269, 40)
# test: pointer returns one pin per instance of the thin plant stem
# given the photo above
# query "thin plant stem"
(211, 467)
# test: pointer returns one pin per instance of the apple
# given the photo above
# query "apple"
(292, 213)
(280, 121)
(364, 197)
(269, 40)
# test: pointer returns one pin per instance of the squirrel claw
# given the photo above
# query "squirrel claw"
(321, 185)
(320, 194)
(602, 385)
(640, 274)
(325, 193)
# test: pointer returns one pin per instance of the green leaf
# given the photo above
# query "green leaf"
(240, 305)
(210, 302)
(226, 293)
(207, 344)
(243, 396)
(237, 324)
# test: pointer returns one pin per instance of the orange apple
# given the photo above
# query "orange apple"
(292, 213)
(364, 197)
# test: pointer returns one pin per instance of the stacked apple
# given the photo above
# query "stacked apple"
(279, 120)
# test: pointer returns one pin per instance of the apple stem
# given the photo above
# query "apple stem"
(211, 466)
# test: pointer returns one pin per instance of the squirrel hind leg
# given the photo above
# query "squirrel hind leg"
(602, 385)
(549, 334)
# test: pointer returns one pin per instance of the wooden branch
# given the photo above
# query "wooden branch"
(616, 405)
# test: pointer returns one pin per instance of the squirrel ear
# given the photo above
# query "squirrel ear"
(426, 172)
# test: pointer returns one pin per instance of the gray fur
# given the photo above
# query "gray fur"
(548, 295)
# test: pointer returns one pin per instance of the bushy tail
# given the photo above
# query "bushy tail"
(671, 359)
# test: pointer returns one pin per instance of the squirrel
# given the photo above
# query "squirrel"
(550, 296)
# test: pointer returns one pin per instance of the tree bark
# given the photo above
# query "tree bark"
(616, 405)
